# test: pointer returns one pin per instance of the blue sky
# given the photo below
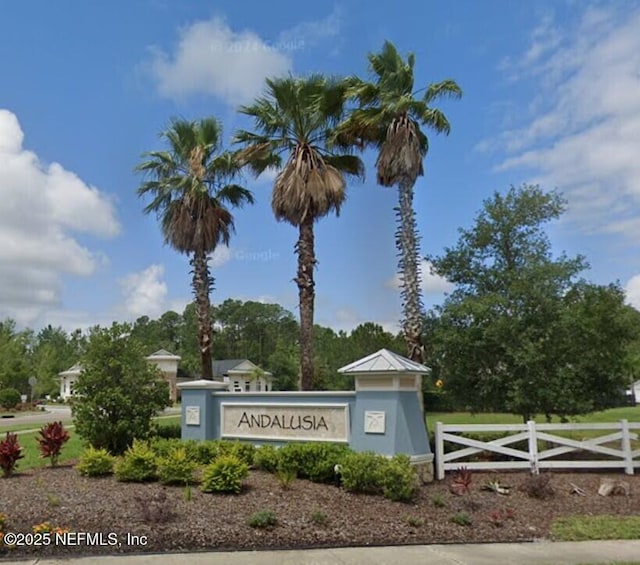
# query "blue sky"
(551, 95)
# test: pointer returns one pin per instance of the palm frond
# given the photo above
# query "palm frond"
(443, 89)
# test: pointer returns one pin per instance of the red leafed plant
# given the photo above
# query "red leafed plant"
(461, 483)
(52, 437)
(10, 452)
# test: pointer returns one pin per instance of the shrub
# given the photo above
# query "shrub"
(207, 451)
(266, 458)
(461, 519)
(244, 451)
(9, 398)
(263, 519)
(95, 462)
(52, 437)
(314, 461)
(139, 464)
(319, 517)
(400, 480)
(10, 453)
(172, 430)
(538, 486)
(176, 468)
(363, 472)
(286, 477)
(438, 500)
(225, 474)
(461, 483)
(154, 508)
(118, 391)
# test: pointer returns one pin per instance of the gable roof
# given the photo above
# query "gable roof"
(385, 361)
(75, 370)
(223, 366)
(163, 354)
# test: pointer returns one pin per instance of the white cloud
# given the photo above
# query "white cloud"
(430, 282)
(145, 293)
(310, 33)
(632, 291)
(211, 58)
(584, 131)
(221, 255)
(42, 206)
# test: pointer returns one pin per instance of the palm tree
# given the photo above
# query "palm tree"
(191, 190)
(388, 117)
(292, 121)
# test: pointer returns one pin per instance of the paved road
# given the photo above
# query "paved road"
(458, 554)
(53, 412)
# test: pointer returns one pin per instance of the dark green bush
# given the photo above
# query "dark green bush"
(138, 464)
(225, 474)
(176, 468)
(364, 472)
(400, 480)
(9, 398)
(172, 430)
(95, 462)
(266, 458)
(314, 461)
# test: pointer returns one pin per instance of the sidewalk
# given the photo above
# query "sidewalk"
(550, 553)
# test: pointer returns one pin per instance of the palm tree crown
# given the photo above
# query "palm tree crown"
(191, 192)
(388, 117)
(293, 122)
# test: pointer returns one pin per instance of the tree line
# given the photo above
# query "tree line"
(267, 334)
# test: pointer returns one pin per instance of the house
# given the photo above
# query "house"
(242, 375)
(68, 380)
(634, 392)
(165, 361)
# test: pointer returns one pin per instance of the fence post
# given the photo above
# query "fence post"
(626, 447)
(533, 447)
(439, 452)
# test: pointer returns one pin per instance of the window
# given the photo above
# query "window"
(247, 386)
(71, 383)
(258, 386)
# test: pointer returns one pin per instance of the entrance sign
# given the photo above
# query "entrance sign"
(295, 421)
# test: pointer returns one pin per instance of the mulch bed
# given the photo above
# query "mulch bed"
(219, 522)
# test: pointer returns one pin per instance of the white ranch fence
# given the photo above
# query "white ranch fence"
(616, 445)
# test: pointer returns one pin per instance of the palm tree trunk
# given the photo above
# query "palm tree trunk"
(407, 244)
(202, 283)
(306, 294)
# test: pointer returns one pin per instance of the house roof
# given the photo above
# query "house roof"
(226, 367)
(384, 361)
(163, 354)
(223, 366)
(72, 371)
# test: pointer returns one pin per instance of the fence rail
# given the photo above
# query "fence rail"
(616, 446)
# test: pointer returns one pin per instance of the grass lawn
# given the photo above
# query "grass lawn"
(582, 528)
(631, 413)
(30, 449)
(70, 451)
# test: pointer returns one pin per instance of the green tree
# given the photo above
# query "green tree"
(15, 366)
(295, 118)
(191, 190)
(117, 392)
(520, 333)
(388, 117)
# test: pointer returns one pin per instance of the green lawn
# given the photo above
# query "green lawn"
(582, 528)
(631, 413)
(70, 451)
